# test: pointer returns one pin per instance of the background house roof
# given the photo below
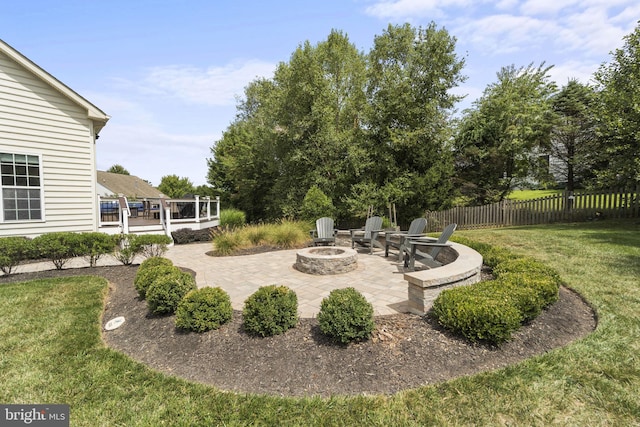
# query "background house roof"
(128, 185)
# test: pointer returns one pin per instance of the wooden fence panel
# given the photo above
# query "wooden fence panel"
(579, 206)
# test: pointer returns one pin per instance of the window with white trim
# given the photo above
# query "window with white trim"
(21, 183)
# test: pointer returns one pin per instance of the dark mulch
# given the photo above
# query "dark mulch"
(406, 350)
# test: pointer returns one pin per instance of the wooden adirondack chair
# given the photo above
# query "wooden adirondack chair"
(368, 236)
(411, 252)
(399, 239)
(324, 234)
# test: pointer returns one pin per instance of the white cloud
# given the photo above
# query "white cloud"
(211, 86)
(581, 71)
(397, 9)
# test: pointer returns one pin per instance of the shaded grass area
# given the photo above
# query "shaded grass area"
(51, 352)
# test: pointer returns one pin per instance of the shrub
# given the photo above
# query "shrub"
(14, 250)
(204, 309)
(155, 261)
(316, 204)
(289, 234)
(271, 310)
(186, 235)
(545, 287)
(92, 246)
(151, 245)
(146, 276)
(345, 315)
(126, 248)
(525, 299)
(57, 247)
(166, 291)
(477, 316)
(232, 218)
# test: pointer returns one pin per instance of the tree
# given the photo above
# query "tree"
(498, 139)
(618, 126)
(327, 118)
(573, 134)
(411, 72)
(118, 169)
(174, 187)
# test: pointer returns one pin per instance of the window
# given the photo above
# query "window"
(21, 187)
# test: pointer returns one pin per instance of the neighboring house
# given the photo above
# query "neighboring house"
(132, 187)
(47, 151)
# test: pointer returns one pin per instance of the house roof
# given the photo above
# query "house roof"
(128, 185)
(98, 117)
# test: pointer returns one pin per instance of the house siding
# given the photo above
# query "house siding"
(38, 120)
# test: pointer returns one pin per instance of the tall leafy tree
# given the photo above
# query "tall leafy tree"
(498, 139)
(316, 124)
(573, 134)
(175, 187)
(618, 84)
(411, 72)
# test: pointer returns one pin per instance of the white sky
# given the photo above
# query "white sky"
(168, 72)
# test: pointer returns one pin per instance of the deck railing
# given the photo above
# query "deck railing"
(121, 213)
(564, 207)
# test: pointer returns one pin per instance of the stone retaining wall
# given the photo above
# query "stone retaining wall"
(424, 286)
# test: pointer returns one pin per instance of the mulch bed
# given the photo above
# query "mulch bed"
(406, 351)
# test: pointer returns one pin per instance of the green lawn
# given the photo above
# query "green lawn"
(51, 352)
(531, 194)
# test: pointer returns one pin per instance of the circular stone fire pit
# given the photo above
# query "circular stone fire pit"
(326, 260)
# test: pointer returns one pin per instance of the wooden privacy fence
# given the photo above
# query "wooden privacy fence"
(564, 207)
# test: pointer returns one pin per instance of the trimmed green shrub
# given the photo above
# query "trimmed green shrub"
(145, 276)
(477, 316)
(525, 299)
(14, 250)
(271, 310)
(546, 287)
(204, 309)
(92, 246)
(58, 247)
(345, 316)
(232, 218)
(525, 265)
(154, 261)
(166, 292)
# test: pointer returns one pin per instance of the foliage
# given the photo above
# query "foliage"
(487, 311)
(316, 205)
(271, 310)
(285, 235)
(126, 249)
(573, 134)
(497, 138)
(204, 309)
(58, 247)
(335, 118)
(476, 315)
(345, 316)
(13, 251)
(167, 290)
(93, 246)
(118, 169)
(618, 115)
(187, 235)
(151, 245)
(150, 271)
(175, 187)
(232, 218)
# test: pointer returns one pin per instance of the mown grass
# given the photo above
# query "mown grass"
(531, 194)
(51, 352)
